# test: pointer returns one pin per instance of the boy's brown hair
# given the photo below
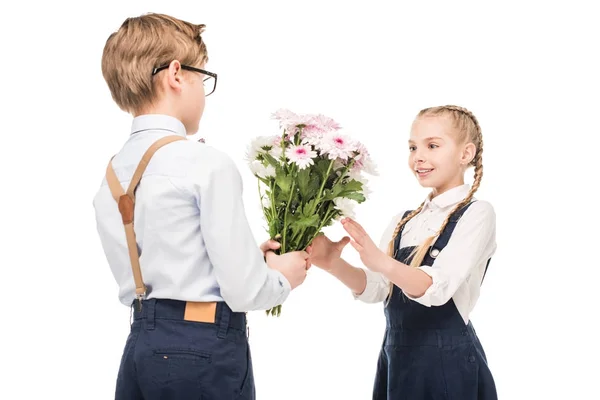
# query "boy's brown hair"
(141, 44)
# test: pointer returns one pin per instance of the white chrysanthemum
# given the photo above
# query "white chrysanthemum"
(346, 206)
(260, 144)
(276, 152)
(260, 170)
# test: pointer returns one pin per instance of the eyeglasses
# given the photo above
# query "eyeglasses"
(210, 82)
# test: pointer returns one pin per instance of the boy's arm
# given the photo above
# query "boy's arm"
(245, 281)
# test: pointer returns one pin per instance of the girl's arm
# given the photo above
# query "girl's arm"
(465, 256)
(471, 245)
(366, 285)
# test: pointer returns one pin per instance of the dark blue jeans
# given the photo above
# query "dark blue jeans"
(167, 357)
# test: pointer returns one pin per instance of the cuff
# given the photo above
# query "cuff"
(376, 289)
(437, 285)
(282, 280)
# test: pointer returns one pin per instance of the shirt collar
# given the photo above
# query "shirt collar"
(448, 198)
(158, 122)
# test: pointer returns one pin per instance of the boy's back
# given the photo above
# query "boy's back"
(188, 241)
(189, 217)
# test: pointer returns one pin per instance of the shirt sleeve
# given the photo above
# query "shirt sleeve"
(378, 286)
(472, 243)
(245, 280)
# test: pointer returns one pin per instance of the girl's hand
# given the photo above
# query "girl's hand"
(370, 255)
(323, 252)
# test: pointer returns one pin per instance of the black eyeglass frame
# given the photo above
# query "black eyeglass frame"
(156, 70)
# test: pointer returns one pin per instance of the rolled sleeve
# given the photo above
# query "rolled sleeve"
(437, 288)
(376, 290)
(471, 245)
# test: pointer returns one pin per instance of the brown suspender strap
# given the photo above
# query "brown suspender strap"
(126, 204)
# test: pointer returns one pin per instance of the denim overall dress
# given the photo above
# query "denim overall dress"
(429, 353)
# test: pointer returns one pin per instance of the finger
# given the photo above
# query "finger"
(353, 232)
(357, 226)
(304, 254)
(342, 243)
(309, 249)
(273, 244)
(356, 246)
(308, 264)
(270, 245)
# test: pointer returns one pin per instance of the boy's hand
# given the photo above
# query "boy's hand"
(294, 266)
(269, 245)
(323, 252)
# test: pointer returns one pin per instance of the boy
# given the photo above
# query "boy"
(191, 267)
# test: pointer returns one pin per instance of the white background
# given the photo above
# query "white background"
(529, 73)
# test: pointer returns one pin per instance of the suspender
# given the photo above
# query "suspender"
(126, 204)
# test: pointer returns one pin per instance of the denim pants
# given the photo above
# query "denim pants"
(167, 357)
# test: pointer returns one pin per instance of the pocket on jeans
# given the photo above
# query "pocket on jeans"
(178, 369)
(183, 354)
(247, 383)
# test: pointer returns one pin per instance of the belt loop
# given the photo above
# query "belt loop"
(150, 314)
(223, 320)
(440, 339)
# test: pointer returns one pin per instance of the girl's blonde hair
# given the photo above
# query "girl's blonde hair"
(468, 131)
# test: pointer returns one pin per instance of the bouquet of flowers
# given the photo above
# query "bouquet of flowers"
(308, 176)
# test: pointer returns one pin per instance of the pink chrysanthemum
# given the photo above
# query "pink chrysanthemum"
(363, 161)
(302, 155)
(337, 146)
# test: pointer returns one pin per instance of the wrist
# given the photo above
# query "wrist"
(336, 266)
(384, 265)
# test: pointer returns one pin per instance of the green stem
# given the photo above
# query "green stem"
(287, 207)
(273, 208)
(319, 195)
(327, 216)
(323, 185)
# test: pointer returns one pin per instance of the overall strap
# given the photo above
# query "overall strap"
(126, 204)
(399, 236)
(445, 235)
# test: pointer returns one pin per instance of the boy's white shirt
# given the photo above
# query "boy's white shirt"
(458, 269)
(190, 224)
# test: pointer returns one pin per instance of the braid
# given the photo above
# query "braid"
(399, 226)
(465, 121)
(475, 136)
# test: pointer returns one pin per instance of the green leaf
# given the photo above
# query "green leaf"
(359, 197)
(313, 186)
(352, 186)
(306, 222)
(322, 166)
(284, 182)
(307, 211)
(271, 160)
(303, 181)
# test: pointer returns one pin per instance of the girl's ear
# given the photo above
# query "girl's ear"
(468, 154)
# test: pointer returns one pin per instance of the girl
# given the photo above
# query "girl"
(436, 259)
